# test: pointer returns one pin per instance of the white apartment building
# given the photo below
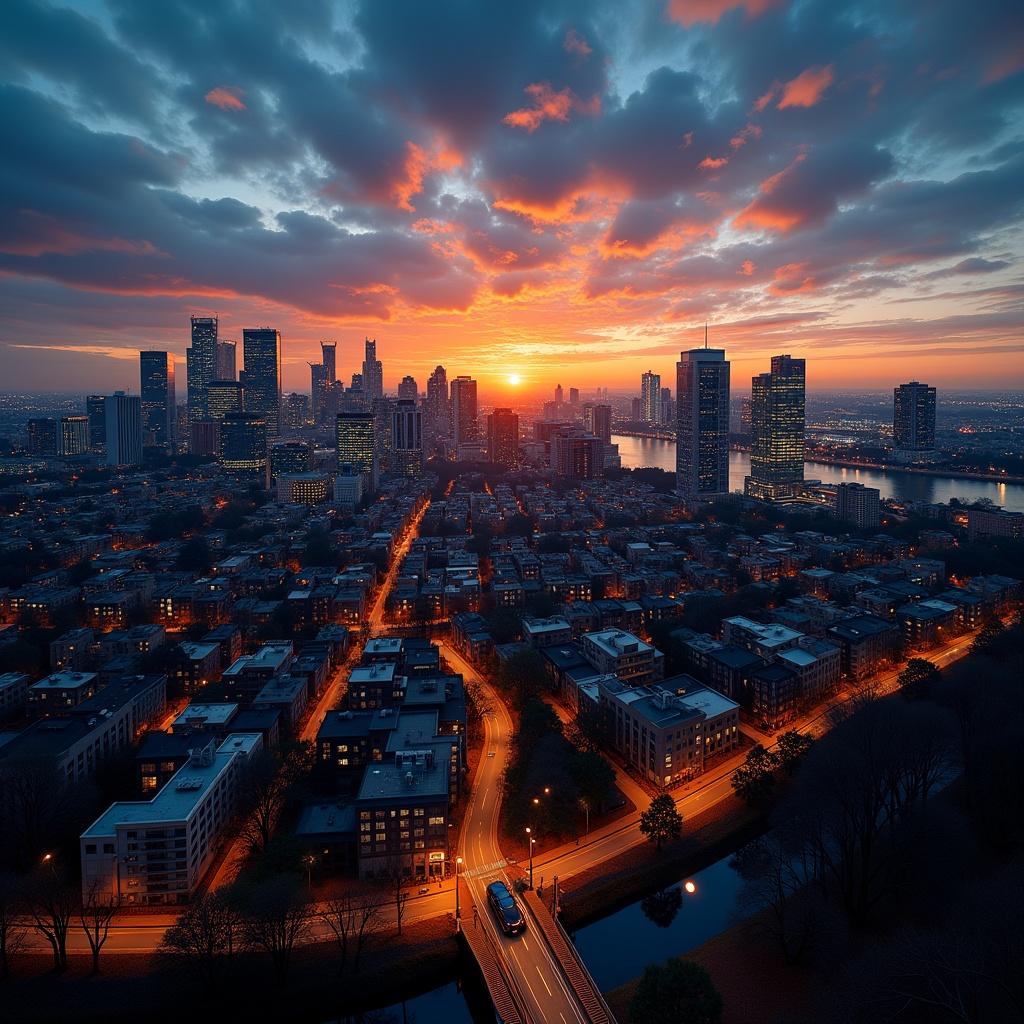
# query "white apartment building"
(147, 852)
(616, 652)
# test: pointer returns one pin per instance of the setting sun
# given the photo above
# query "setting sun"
(514, 379)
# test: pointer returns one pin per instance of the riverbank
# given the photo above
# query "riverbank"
(707, 837)
(134, 987)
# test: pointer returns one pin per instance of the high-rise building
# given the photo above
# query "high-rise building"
(746, 415)
(574, 396)
(159, 403)
(407, 389)
(650, 397)
(262, 375)
(858, 504)
(227, 361)
(373, 371)
(577, 455)
(356, 443)
(123, 418)
(318, 390)
(96, 410)
(636, 410)
(290, 457)
(43, 437)
(74, 435)
(329, 359)
(702, 424)
(201, 364)
(559, 394)
(602, 428)
(295, 414)
(464, 419)
(503, 438)
(204, 437)
(913, 422)
(777, 421)
(406, 439)
(243, 445)
(438, 407)
(224, 396)
(668, 407)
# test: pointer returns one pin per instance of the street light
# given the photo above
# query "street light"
(532, 841)
(458, 913)
(690, 887)
(309, 860)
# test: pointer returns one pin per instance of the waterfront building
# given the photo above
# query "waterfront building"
(777, 421)
(913, 424)
(702, 409)
(650, 397)
(858, 505)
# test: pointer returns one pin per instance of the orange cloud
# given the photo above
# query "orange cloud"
(762, 213)
(575, 43)
(549, 105)
(747, 267)
(792, 279)
(226, 97)
(807, 88)
(418, 164)
(711, 163)
(751, 131)
(691, 12)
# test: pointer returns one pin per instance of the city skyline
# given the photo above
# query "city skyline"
(799, 177)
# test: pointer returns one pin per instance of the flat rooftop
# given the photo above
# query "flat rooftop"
(205, 714)
(65, 680)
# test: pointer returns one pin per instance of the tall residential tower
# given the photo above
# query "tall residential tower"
(777, 423)
(702, 424)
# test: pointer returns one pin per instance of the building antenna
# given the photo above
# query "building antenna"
(705, 334)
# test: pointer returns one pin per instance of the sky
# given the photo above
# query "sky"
(561, 191)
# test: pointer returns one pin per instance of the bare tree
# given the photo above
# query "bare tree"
(98, 910)
(12, 931)
(275, 917)
(264, 789)
(52, 903)
(350, 919)
(205, 936)
(395, 872)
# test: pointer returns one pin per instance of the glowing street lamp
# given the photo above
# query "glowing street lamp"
(532, 841)
(458, 913)
(690, 886)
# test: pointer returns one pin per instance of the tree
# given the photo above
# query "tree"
(97, 911)
(990, 630)
(12, 931)
(52, 901)
(266, 784)
(790, 748)
(676, 992)
(918, 677)
(522, 676)
(662, 907)
(275, 917)
(661, 822)
(754, 780)
(350, 919)
(395, 872)
(594, 778)
(205, 937)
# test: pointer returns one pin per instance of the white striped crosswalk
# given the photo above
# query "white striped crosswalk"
(486, 869)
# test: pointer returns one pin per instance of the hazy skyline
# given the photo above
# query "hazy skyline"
(565, 191)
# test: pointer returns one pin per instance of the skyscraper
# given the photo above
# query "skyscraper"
(438, 409)
(329, 359)
(913, 422)
(243, 445)
(574, 396)
(96, 410)
(318, 390)
(668, 412)
(42, 436)
(224, 396)
(74, 435)
(201, 364)
(295, 412)
(159, 405)
(857, 504)
(407, 389)
(464, 421)
(777, 422)
(406, 439)
(559, 394)
(227, 358)
(373, 371)
(123, 417)
(602, 416)
(650, 397)
(702, 425)
(503, 438)
(262, 375)
(356, 443)
(577, 455)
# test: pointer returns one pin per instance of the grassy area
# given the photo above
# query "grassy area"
(707, 837)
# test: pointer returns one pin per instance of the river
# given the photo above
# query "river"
(638, 452)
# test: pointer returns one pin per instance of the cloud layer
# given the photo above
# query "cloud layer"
(496, 185)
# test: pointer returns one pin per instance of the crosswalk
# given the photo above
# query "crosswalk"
(486, 869)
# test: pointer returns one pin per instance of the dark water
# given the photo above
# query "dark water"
(644, 451)
(448, 1003)
(619, 947)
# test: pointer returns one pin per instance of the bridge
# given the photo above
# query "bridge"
(536, 976)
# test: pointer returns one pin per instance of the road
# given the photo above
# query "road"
(529, 962)
(479, 845)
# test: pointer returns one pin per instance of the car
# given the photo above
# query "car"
(505, 909)
(490, 753)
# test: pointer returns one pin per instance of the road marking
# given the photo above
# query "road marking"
(543, 982)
